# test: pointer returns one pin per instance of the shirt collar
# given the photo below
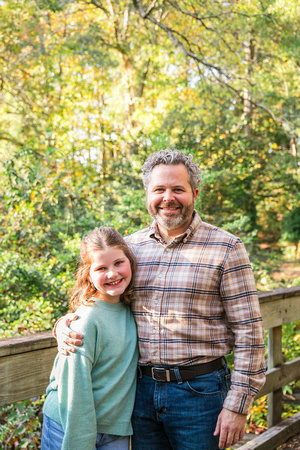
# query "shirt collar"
(153, 232)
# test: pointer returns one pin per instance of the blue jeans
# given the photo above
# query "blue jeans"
(179, 415)
(53, 435)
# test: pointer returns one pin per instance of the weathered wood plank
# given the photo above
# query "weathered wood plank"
(275, 294)
(275, 347)
(274, 360)
(281, 376)
(25, 375)
(275, 436)
(280, 311)
(28, 343)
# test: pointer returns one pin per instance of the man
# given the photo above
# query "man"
(195, 301)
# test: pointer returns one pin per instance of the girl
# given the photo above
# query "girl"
(91, 393)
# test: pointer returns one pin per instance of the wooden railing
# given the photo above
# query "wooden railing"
(25, 366)
(278, 307)
(26, 362)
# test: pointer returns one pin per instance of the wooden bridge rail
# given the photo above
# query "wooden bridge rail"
(26, 361)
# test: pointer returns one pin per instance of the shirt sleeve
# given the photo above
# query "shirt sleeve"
(239, 296)
(75, 396)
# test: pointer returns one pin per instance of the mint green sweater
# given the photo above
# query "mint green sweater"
(92, 390)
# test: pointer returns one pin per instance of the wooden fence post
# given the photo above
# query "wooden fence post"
(274, 360)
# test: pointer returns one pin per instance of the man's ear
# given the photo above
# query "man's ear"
(196, 192)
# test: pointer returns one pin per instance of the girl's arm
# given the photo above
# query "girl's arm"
(75, 389)
(76, 402)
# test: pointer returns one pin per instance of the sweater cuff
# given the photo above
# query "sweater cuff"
(55, 327)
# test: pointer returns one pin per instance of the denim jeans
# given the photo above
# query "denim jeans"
(53, 435)
(179, 415)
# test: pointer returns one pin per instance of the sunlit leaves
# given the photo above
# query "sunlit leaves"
(88, 89)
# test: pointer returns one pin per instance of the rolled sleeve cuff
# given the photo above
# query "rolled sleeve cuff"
(238, 402)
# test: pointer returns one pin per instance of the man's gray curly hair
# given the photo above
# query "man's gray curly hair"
(172, 157)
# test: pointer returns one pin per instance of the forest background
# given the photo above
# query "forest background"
(89, 88)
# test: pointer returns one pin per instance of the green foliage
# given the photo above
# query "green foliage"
(241, 227)
(20, 425)
(34, 293)
(291, 341)
(291, 227)
(257, 418)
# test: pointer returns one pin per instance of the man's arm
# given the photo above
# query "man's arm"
(243, 315)
(241, 304)
(231, 428)
(65, 336)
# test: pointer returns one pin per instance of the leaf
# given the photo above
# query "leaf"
(13, 415)
(24, 443)
(21, 430)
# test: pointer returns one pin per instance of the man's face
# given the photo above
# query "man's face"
(170, 199)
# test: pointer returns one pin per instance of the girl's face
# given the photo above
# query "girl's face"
(110, 273)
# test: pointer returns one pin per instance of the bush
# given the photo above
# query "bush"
(21, 425)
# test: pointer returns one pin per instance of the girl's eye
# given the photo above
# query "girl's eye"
(118, 263)
(101, 269)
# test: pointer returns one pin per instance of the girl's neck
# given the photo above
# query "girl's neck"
(108, 298)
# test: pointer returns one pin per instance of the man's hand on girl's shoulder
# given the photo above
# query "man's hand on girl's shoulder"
(65, 336)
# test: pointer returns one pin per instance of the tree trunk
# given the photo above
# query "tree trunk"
(248, 107)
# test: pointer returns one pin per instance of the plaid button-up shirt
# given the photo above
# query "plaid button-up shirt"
(195, 300)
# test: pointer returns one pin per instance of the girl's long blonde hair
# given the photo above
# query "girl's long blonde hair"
(97, 240)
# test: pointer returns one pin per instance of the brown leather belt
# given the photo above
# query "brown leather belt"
(186, 372)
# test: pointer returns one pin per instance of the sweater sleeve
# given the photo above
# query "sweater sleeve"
(75, 394)
(242, 308)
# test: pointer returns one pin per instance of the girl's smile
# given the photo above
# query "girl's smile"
(114, 283)
(110, 272)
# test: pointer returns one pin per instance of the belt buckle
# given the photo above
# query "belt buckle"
(156, 371)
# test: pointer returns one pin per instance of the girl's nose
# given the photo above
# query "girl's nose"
(111, 273)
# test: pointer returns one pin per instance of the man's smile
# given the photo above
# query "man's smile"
(169, 208)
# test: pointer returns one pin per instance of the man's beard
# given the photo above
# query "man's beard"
(172, 222)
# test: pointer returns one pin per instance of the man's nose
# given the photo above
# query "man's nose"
(168, 195)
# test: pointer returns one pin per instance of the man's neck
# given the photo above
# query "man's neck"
(169, 235)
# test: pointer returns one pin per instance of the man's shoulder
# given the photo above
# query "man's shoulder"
(138, 236)
(218, 233)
